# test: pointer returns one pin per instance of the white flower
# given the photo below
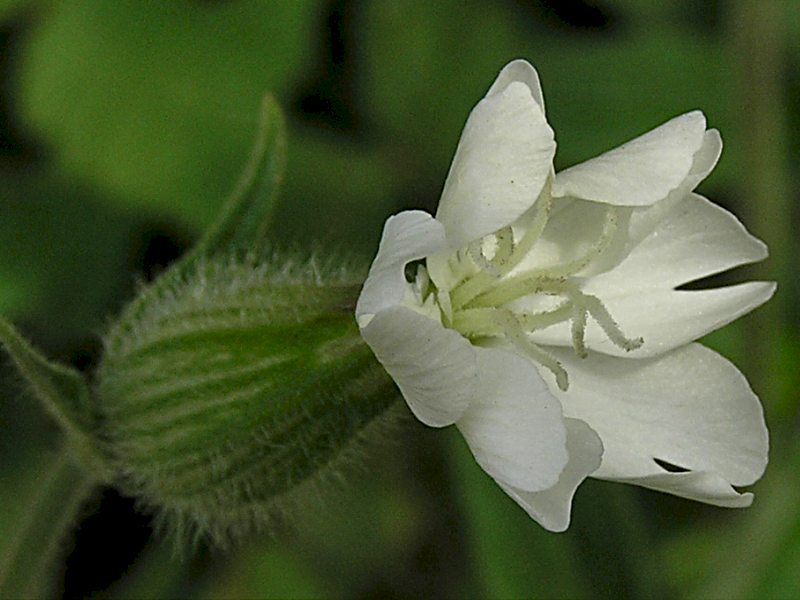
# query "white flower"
(539, 311)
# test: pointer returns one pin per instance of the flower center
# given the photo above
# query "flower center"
(480, 305)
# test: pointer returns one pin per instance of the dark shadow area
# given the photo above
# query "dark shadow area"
(107, 542)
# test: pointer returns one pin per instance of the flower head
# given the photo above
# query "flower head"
(539, 311)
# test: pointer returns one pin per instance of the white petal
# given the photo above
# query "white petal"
(668, 244)
(407, 236)
(575, 225)
(640, 222)
(435, 368)
(690, 408)
(665, 319)
(519, 70)
(551, 507)
(640, 172)
(501, 164)
(694, 485)
(693, 239)
(514, 426)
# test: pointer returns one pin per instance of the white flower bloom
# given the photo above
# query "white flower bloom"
(539, 311)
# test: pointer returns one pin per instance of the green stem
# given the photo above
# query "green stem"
(27, 564)
(758, 33)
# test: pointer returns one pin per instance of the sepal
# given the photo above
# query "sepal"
(63, 393)
(235, 388)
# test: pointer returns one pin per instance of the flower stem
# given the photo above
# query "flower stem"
(27, 564)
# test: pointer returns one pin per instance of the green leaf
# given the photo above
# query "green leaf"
(61, 390)
(338, 191)
(9, 8)
(67, 256)
(246, 216)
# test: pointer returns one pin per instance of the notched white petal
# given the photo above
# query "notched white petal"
(690, 408)
(667, 319)
(514, 427)
(693, 239)
(435, 368)
(641, 171)
(501, 165)
(709, 488)
(551, 508)
(407, 236)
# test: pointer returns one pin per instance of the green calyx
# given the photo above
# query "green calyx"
(237, 386)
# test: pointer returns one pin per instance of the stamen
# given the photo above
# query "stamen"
(514, 332)
(524, 284)
(482, 281)
(534, 231)
(578, 329)
(477, 322)
(533, 321)
(609, 325)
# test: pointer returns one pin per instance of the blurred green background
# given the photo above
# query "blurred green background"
(124, 124)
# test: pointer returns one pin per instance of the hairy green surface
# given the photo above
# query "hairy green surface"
(235, 386)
